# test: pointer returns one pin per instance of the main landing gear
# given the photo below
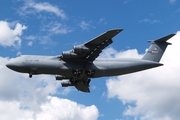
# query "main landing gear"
(81, 77)
(77, 72)
(90, 73)
(85, 81)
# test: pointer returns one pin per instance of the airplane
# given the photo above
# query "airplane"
(76, 67)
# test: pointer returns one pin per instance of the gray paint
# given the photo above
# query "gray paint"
(79, 69)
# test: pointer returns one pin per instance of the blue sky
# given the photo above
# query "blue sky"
(44, 27)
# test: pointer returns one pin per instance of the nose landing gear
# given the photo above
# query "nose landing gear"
(30, 74)
(33, 71)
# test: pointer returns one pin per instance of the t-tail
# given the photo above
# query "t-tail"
(157, 48)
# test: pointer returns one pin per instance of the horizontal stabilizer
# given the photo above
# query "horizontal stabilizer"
(164, 39)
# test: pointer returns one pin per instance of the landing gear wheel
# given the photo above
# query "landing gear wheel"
(90, 73)
(30, 75)
(77, 72)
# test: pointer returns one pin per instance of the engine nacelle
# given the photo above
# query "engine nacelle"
(69, 55)
(60, 77)
(66, 84)
(81, 49)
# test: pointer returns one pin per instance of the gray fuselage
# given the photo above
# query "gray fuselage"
(101, 67)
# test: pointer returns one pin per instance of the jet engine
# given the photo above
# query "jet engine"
(69, 55)
(66, 84)
(60, 77)
(80, 49)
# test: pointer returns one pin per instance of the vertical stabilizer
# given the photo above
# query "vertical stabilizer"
(157, 48)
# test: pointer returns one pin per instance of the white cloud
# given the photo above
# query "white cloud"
(111, 53)
(53, 109)
(172, 1)
(46, 40)
(146, 20)
(152, 94)
(10, 36)
(51, 28)
(43, 39)
(30, 43)
(84, 25)
(25, 98)
(13, 111)
(31, 7)
(21, 88)
(102, 21)
(31, 39)
(18, 54)
(61, 109)
(108, 53)
(56, 28)
(66, 91)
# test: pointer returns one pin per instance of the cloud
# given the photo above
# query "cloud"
(50, 29)
(108, 53)
(146, 20)
(18, 54)
(30, 39)
(25, 98)
(53, 109)
(20, 88)
(56, 28)
(42, 39)
(10, 36)
(172, 1)
(31, 7)
(30, 43)
(102, 21)
(69, 110)
(111, 53)
(152, 94)
(84, 25)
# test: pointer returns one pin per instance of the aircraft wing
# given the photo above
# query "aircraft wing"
(90, 50)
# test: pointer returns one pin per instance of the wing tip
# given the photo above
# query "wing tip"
(116, 30)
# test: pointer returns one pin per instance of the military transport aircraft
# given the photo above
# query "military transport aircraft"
(77, 66)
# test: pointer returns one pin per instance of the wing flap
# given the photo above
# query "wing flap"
(98, 49)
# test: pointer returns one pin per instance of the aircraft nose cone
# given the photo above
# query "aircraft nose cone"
(11, 65)
(16, 64)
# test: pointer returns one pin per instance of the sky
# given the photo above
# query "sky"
(49, 27)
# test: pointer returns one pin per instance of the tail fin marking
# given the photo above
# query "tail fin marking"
(157, 48)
